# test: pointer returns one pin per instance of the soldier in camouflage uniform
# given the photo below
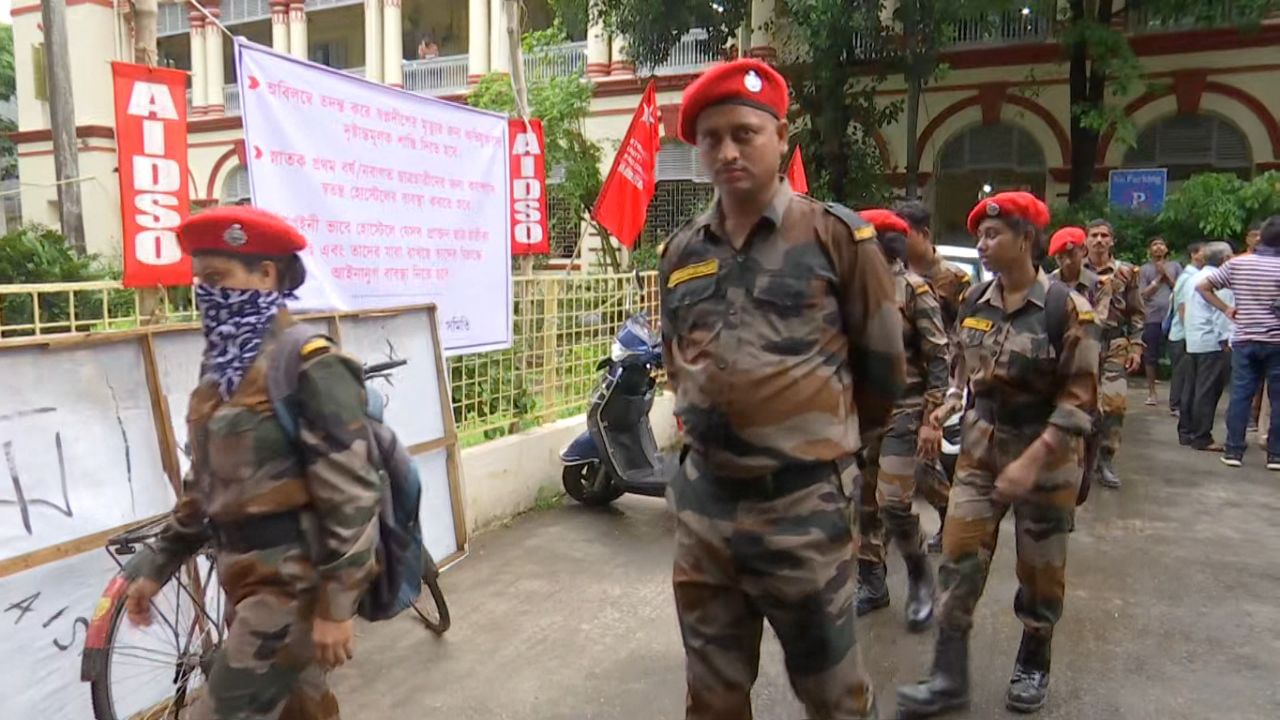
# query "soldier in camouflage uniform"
(1121, 316)
(889, 478)
(949, 282)
(784, 346)
(1032, 401)
(294, 528)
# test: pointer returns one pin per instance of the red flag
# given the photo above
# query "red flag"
(795, 173)
(151, 141)
(529, 234)
(624, 198)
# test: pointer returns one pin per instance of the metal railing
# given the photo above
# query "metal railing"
(691, 54)
(231, 99)
(436, 76)
(1142, 20)
(174, 19)
(563, 325)
(558, 61)
(1030, 24)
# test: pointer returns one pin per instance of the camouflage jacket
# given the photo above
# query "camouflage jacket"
(949, 282)
(925, 341)
(1010, 361)
(1087, 284)
(243, 465)
(786, 351)
(1121, 311)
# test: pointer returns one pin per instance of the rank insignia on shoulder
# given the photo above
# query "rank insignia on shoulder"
(1087, 316)
(692, 272)
(866, 232)
(316, 347)
(922, 288)
(977, 323)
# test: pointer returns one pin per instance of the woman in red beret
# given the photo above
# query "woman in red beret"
(1030, 352)
(889, 479)
(293, 521)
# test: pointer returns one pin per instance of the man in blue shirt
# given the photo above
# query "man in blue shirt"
(1208, 331)
(1177, 331)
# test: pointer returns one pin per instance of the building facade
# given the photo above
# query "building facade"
(999, 118)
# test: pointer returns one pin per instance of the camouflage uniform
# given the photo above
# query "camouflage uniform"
(889, 480)
(1087, 285)
(295, 532)
(774, 396)
(1121, 316)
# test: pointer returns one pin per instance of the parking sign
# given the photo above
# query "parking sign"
(1139, 190)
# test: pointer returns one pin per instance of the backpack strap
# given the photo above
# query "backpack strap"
(1056, 302)
(282, 374)
(970, 300)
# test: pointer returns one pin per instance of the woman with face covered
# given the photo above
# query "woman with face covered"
(1032, 399)
(294, 524)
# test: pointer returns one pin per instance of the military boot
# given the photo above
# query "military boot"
(1107, 474)
(947, 687)
(873, 593)
(919, 592)
(1029, 686)
(935, 542)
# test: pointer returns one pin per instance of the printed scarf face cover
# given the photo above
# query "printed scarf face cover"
(235, 322)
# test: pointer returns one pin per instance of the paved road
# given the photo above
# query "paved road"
(1173, 611)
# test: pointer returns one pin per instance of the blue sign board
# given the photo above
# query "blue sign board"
(1141, 191)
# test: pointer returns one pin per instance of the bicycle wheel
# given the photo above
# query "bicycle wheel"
(156, 672)
(435, 615)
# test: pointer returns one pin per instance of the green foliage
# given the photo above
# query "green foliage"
(572, 15)
(7, 85)
(37, 254)
(562, 103)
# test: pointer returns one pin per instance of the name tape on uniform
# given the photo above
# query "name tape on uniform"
(694, 271)
(975, 323)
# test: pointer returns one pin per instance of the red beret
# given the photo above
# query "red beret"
(1065, 239)
(242, 230)
(747, 82)
(1010, 205)
(886, 221)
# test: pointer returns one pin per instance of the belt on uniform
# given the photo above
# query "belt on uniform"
(782, 482)
(261, 532)
(992, 412)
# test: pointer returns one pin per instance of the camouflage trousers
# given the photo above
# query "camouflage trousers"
(265, 670)
(1042, 521)
(743, 557)
(890, 482)
(1113, 398)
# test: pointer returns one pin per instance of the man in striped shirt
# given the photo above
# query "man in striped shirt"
(1254, 279)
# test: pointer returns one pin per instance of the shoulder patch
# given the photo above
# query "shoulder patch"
(919, 285)
(1084, 310)
(316, 347)
(861, 229)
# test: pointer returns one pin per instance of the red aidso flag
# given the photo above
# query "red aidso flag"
(795, 173)
(627, 190)
(151, 142)
(529, 235)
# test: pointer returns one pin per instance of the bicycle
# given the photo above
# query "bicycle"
(154, 672)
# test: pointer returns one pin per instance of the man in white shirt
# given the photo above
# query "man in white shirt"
(1177, 331)
(1208, 358)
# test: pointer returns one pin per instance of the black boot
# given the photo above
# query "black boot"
(1029, 686)
(947, 687)
(919, 593)
(935, 542)
(1107, 476)
(873, 593)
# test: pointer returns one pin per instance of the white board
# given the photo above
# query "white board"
(436, 512)
(404, 199)
(78, 446)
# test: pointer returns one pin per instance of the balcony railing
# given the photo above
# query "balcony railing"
(1031, 24)
(173, 18)
(1142, 20)
(690, 55)
(558, 61)
(436, 76)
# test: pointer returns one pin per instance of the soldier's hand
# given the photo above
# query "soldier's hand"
(137, 600)
(334, 641)
(1134, 363)
(944, 412)
(1016, 480)
(929, 442)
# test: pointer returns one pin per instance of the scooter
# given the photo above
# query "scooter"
(618, 453)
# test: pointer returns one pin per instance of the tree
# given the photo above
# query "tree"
(562, 102)
(8, 153)
(1104, 66)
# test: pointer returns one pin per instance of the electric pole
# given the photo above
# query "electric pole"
(62, 121)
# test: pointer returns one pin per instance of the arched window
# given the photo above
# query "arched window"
(981, 159)
(235, 187)
(1189, 144)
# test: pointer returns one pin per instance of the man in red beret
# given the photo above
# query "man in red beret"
(889, 478)
(783, 343)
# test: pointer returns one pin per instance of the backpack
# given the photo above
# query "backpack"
(1056, 300)
(400, 552)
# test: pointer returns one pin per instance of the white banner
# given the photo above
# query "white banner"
(403, 198)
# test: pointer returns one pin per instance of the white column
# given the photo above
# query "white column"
(762, 14)
(477, 39)
(373, 40)
(214, 74)
(597, 51)
(198, 81)
(620, 66)
(299, 46)
(392, 44)
(499, 46)
(280, 26)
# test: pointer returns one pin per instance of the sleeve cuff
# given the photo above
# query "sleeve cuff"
(1071, 419)
(335, 602)
(150, 564)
